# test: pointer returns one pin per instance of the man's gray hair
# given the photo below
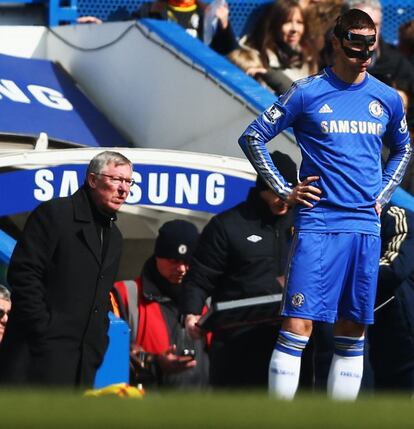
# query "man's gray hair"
(100, 161)
(356, 4)
(4, 293)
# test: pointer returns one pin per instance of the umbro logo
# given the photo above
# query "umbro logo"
(325, 109)
(254, 238)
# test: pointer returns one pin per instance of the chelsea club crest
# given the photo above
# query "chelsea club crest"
(298, 299)
(375, 108)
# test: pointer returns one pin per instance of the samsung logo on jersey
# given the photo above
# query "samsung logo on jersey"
(351, 127)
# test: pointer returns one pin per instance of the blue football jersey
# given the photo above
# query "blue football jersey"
(340, 128)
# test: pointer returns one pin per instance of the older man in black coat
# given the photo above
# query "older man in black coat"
(61, 273)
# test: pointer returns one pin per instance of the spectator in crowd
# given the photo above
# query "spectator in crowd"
(339, 121)
(190, 14)
(60, 274)
(280, 38)
(406, 40)
(5, 306)
(242, 253)
(391, 338)
(161, 354)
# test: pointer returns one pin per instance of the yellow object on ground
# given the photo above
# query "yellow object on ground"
(121, 389)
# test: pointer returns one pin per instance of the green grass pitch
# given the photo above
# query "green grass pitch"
(55, 409)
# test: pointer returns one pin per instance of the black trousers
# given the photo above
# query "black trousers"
(240, 357)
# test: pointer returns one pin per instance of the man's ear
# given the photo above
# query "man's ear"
(91, 179)
(335, 42)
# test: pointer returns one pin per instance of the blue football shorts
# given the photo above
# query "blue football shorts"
(332, 276)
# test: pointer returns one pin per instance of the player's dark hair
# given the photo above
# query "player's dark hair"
(353, 19)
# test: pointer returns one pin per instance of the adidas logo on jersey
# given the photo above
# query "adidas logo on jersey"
(325, 109)
(254, 238)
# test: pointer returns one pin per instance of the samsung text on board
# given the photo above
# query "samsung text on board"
(44, 95)
(158, 188)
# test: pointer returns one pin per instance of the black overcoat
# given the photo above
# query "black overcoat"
(57, 330)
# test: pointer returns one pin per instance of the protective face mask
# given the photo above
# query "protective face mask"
(365, 53)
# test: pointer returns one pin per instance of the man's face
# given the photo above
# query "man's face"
(173, 270)
(5, 307)
(358, 65)
(110, 188)
(277, 206)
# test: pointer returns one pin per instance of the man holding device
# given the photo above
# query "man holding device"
(161, 354)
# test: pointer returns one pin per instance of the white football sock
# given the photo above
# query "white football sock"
(345, 373)
(284, 367)
(284, 372)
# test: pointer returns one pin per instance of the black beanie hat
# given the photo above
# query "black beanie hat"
(177, 239)
(285, 165)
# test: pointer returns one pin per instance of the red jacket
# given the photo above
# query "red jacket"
(152, 333)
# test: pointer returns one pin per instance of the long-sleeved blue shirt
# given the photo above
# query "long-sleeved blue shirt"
(339, 128)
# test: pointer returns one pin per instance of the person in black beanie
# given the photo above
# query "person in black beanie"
(242, 253)
(161, 353)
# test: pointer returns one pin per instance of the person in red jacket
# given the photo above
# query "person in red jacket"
(161, 353)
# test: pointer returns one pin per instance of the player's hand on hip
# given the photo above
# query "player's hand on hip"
(378, 208)
(304, 193)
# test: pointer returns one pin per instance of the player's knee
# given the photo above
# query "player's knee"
(347, 328)
(298, 326)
